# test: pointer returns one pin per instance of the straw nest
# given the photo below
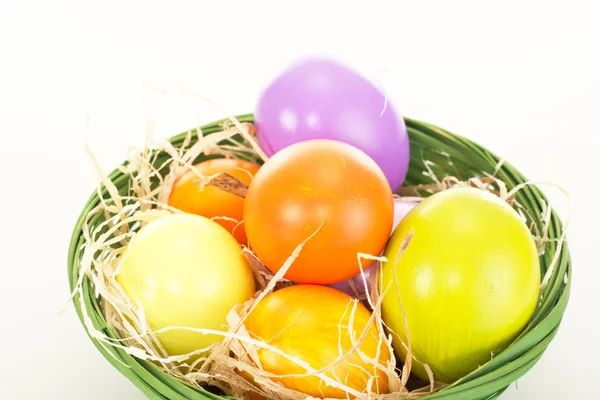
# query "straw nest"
(137, 192)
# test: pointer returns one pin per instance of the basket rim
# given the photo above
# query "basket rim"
(487, 382)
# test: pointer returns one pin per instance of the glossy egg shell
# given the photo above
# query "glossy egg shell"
(326, 190)
(224, 208)
(323, 99)
(355, 286)
(303, 321)
(468, 281)
(185, 270)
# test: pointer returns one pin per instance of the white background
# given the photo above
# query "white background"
(520, 77)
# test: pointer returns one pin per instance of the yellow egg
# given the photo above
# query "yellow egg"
(317, 324)
(185, 270)
(468, 281)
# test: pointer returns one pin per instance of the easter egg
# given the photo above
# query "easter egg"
(303, 321)
(401, 208)
(355, 286)
(468, 282)
(323, 99)
(185, 271)
(328, 194)
(224, 208)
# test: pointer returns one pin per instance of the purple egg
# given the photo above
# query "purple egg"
(323, 99)
(401, 208)
(359, 288)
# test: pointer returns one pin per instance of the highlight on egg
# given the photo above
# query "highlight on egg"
(187, 271)
(468, 281)
(327, 194)
(319, 98)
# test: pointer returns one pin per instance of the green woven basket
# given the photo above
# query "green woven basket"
(427, 143)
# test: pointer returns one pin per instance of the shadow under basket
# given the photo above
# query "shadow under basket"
(438, 147)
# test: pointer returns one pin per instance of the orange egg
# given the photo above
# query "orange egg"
(314, 323)
(325, 186)
(211, 202)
